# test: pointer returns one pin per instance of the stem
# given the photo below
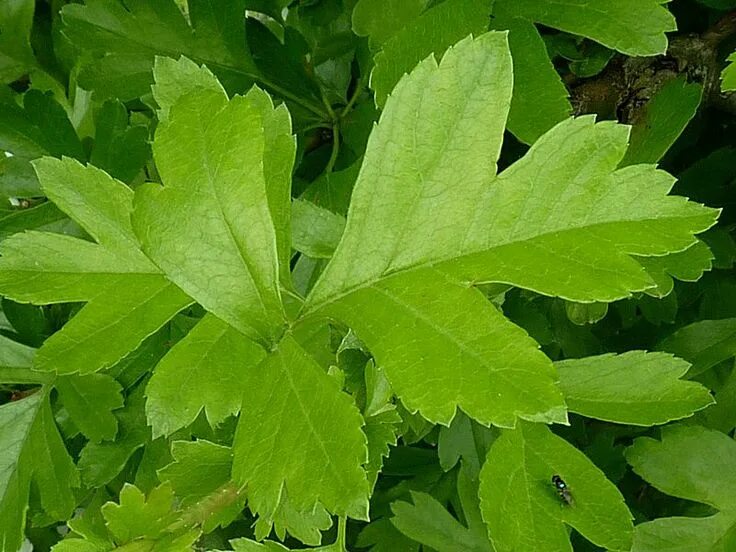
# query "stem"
(356, 94)
(335, 148)
(9, 374)
(341, 531)
(296, 99)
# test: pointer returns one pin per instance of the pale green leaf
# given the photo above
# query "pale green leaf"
(128, 298)
(633, 27)
(662, 121)
(728, 76)
(561, 221)
(635, 388)
(540, 98)
(178, 79)
(299, 437)
(694, 463)
(90, 401)
(431, 33)
(223, 252)
(704, 343)
(461, 351)
(522, 508)
(204, 371)
(137, 515)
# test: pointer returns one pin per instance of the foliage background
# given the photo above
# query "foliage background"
(85, 437)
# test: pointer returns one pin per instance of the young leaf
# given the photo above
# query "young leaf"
(635, 388)
(210, 156)
(522, 508)
(124, 39)
(633, 27)
(145, 518)
(127, 297)
(694, 463)
(292, 410)
(204, 371)
(178, 79)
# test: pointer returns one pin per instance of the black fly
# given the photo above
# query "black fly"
(562, 489)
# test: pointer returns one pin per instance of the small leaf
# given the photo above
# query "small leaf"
(521, 506)
(664, 118)
(635, 388)
(90, 401)
(292, 410)
(204, 371)
(432, 32)
(633, 27)
(704, 343)
(694, 463)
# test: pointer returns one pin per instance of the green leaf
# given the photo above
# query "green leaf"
(32, 450)
(294, 412)
(381, 19)
(432, 32)
(90, 401)
(688, 266)
(632, 27)
(113, 135)
(521, 506)
(16, 54)
(123, 40)
(41, 127)
(664, 118)
(427, 521)
(635, 388)
(209, 494)
(127, 297)
(101, 462)
(704, 343)
(315, 231)
(145, 518)
(694, 463)
(178, 79)
(728, 76)
(476, 345)
(209, 154)
(486, 229)
(204, 371)
(540, 98)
